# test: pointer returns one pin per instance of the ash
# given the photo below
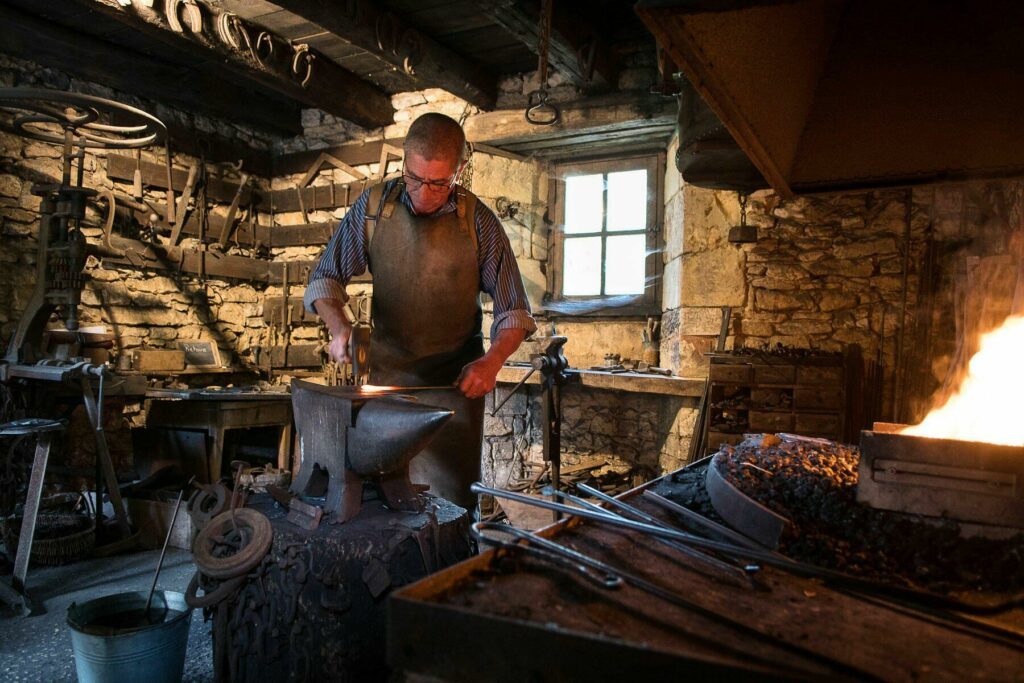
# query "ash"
(814, 485)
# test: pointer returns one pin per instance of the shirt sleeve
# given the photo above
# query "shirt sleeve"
(343, 259)
(500, 276)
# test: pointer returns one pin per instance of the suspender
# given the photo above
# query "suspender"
(380, 206)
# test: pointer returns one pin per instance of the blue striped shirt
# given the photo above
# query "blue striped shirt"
(345, 257)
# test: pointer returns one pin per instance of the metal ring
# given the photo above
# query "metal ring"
(211, 598)
(254, 525)
(539, 111)
(54, 111)
(206, 503)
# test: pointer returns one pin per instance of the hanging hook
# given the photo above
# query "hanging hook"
(539, 111)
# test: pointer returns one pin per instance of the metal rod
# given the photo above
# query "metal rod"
(706, 524)
(163, 551)
(612, 576)
(766, 558)
(513, 391)
(732, 570)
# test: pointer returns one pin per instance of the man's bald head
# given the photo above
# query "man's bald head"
(436, 137)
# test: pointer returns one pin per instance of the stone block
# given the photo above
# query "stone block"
(495, 176)
(700, 321)
(714, 278)
(873, 247)
(768, 300)
(10, 186)
(692, 362)
(672, 284)
(674, 220)
(834, 300)
(708, 216)
(673, 179)
(802, 327)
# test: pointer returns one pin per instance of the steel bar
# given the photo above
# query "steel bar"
(614, 576)
(742, 573)
(706, 524)
(163, 551)
(766, 558)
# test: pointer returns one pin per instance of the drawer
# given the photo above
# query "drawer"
(818, 425)
(818, 398)
(771, 398)
(728, 372)
(774, 374)
(820, 374)
(770, 421)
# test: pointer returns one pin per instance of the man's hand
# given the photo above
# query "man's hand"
(478, 377)
(338, 348)
(332, 312)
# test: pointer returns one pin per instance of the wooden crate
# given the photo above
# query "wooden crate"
(771, 421)
(774, 374)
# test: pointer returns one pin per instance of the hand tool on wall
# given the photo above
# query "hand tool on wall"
(183, 202)
(229, 221)
(137, 176)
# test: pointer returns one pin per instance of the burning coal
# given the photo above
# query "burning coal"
(986, 406)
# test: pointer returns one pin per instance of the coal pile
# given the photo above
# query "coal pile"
(813, 484)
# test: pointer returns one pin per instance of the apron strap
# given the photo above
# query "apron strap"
(465, 205)
(377, 206)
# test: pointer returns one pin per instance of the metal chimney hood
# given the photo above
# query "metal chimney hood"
(826, 95)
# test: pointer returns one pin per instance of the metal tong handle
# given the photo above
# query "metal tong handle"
(593, 571)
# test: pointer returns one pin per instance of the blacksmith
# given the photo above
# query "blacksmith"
(431, 247)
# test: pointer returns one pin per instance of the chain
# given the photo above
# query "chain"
(539, 111)
(743, 207)
(544, 42)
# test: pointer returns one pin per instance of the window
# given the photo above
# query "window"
(604, 256)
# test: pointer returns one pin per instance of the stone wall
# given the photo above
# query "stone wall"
(142, 308)
(828, 271)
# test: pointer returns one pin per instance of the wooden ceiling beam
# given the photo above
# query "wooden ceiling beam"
(25, 36)
(576, 49)
(590, 116)
(386, 36)
(258, 57)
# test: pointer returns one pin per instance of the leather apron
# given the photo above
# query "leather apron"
(426, 327)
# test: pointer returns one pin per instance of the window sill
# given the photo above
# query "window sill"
(689, 387)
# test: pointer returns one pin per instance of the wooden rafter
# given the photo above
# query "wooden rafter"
(577, 49)
(383, 34)
(257, 56)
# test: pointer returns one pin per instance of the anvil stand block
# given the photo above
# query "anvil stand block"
(317, 610)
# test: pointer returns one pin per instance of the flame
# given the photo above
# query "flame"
(987, 405)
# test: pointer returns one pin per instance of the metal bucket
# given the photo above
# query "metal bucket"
(106, 652)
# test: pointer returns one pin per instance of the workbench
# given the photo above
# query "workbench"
(529, 620)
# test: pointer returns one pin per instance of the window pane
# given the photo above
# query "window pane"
(627, 200)
(582, 271)
(625, 270)
(584, 203)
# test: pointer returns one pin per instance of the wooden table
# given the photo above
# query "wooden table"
(215, 414)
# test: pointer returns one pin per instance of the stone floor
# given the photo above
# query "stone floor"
(39, 648)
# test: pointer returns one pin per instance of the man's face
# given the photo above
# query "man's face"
(429, 182)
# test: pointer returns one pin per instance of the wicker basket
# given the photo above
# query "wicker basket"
(59, 538)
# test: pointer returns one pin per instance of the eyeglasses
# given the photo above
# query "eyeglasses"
(414, 182)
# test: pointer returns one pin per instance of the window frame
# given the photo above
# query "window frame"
(641, 305)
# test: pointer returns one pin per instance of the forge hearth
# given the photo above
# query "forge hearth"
(812, 484)
(967, 481)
